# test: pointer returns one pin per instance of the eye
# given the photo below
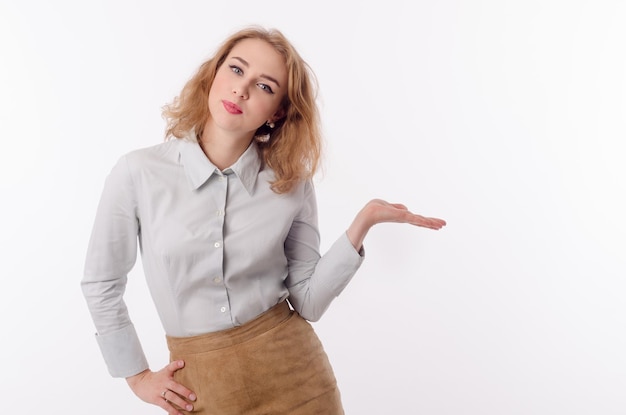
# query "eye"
(266, 88)
(236, 69)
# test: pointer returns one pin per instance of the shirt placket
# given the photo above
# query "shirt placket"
(223, 303)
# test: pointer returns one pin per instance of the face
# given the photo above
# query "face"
(248, 88)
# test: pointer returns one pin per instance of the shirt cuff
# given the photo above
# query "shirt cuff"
(122, 352)
(344, 262)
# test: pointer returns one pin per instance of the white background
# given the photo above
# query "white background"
(506, 118)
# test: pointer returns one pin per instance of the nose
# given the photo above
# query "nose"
(241, 90)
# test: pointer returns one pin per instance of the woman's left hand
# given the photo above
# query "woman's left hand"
(379, 211)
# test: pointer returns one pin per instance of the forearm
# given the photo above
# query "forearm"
(313, 285)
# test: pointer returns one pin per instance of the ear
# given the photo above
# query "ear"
(280, 113)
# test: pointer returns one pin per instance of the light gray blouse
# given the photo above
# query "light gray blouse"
(218, 248)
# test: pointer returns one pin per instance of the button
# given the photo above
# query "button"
(221, 178)
(217, 280)
(223, 309)
(219, 212)
(217, 244)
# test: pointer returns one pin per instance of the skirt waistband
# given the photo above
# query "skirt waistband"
(225, 338)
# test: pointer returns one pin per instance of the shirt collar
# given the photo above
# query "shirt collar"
(199, 168)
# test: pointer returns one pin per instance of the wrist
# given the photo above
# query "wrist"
(358, 230)
(131, 380)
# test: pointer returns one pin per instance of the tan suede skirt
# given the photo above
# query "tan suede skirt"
(274, 364)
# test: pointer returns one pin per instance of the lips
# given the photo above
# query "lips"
(231, 107)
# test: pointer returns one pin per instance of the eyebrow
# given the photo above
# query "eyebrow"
(247, 65)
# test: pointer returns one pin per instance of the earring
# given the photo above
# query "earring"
(262, 138)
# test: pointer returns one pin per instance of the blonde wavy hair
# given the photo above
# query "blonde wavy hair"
(294, 149)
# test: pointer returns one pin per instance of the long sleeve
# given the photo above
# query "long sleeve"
(314, 281)
(111, 254)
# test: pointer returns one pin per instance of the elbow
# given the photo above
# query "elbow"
(312, 317)
(309, 304)
(310, 312)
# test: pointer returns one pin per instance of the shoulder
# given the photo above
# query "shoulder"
(163, 152)
(153, 158)
(304, 192)
(136, 163)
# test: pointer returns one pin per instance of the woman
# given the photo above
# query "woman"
(226, 218)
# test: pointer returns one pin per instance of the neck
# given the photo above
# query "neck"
(221, 148)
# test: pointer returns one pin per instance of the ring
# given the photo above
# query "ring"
(163, 393)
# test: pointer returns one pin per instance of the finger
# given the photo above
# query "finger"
(167, 406)
(438, 222)
(176, 401)
(435, 223)
(182, 391)
(431, 223)
(174, 366)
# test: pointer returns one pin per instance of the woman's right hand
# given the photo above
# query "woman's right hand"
(160, 388)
